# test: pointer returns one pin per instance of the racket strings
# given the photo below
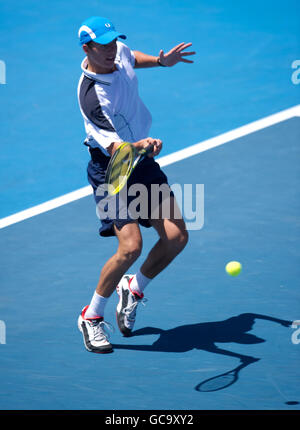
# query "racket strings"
(120, 168)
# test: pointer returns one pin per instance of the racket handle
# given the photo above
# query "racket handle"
(146, 151)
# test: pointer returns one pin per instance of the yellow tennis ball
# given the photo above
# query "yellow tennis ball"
(233, 268)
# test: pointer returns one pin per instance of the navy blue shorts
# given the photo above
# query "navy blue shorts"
(147, 172)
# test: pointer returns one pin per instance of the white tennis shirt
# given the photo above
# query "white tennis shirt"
(110, 103)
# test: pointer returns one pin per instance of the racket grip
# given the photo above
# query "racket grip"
(147, 151)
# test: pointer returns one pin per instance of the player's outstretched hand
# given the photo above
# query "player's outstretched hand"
(176, 55)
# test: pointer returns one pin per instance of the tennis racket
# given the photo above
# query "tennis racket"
(122, 164)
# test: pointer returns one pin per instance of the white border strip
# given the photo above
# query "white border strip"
(163, 161)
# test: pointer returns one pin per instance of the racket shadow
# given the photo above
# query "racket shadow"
(204, 336)
(224, 380)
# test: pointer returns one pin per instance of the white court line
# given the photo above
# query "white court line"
(163, 161)
(230, 136)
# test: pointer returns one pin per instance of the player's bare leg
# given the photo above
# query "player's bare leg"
(173, 238)
(129, 249)
(91, 320)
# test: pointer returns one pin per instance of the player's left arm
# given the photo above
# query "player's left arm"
(169, 59)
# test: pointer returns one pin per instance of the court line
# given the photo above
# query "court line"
(163, 161)
(230, 135)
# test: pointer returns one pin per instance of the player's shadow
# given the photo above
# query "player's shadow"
(204, 336)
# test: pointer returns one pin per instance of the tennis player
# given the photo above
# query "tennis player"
(113, 113)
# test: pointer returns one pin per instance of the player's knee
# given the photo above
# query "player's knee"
(131, 251)
(178, 241)
(182, 239)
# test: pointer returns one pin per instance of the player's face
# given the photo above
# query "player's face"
(102, 56)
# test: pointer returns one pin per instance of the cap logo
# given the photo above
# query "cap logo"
(107, 25)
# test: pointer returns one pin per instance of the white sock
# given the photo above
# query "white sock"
(96, 307)
(139, 283)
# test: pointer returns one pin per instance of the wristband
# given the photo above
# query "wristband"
(159, 63)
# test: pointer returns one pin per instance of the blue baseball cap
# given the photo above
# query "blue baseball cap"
(98, 29)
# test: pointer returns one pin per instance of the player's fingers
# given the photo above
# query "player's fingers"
(176, 48)
(149, 142)
(187, 53)
(183, 46)
(157, 146)
(179, 45)
(183, 60)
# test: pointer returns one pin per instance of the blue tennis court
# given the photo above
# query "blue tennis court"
(199, 323)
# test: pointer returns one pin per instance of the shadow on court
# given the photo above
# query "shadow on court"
(203, 336)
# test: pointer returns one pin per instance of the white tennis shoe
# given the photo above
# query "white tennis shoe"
(127, 306)
(95, 333)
